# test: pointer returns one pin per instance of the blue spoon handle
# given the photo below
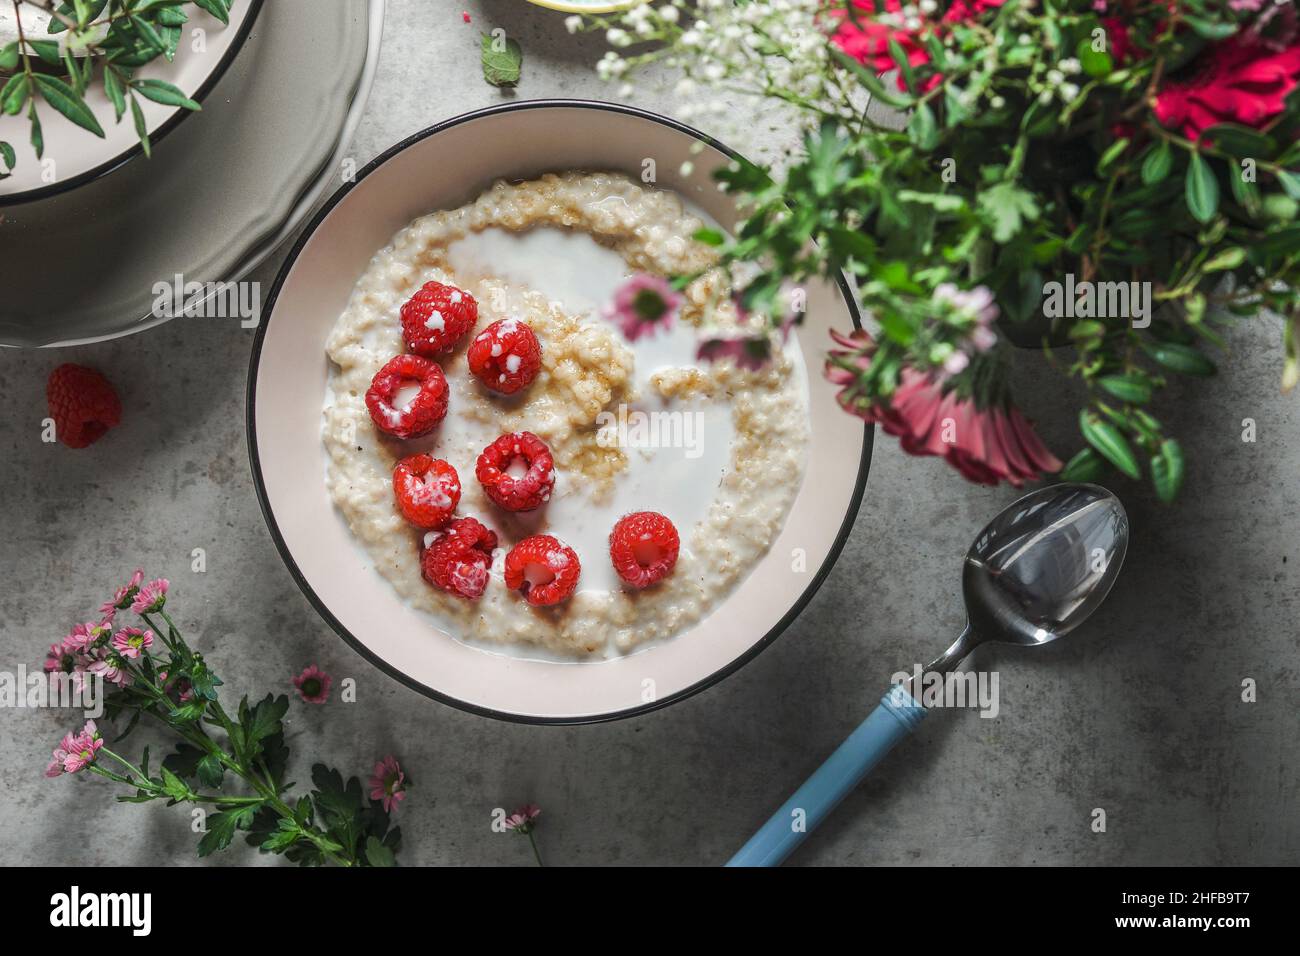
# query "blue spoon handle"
(896, 717)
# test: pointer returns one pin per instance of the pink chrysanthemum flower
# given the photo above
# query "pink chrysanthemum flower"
(522, 820)
(60, 659)
(75, 752)
(111, 668)
(86, 636)
(122, 596)
(930, 417)
(643, 305)
(313, 685)
(388, 783)
(151, 597)
(130, 642)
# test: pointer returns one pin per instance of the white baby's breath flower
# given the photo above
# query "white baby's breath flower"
(1070, 66)
(928, 6)
(687, 168)
(669, 14)
(618, 37)
(1068, 91)
(573, 24)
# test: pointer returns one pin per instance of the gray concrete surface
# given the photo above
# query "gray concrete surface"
(1139, 713)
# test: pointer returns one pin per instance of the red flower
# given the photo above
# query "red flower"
(867, 40)
(987, 445)
(1242, 80)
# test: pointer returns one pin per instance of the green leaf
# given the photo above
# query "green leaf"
(1290, 183)
(1167, 470)
(174, 786)
(1087, 465)
(113, 89)
(1094, 62)
(214, 7)
(68, 102)
(501, 60)
(141, 127)
(7, 154)
(1183, 359)
(146, 31)
(1008, 206)
(922, 129)
(1227, 259)
(14, 94)
(1112, 153)
(165, 93)
(38, 135)
(210, 771)
(710, 237)
(377, 854)
(1127, 388)
(1202, 189)
(1210, 29)
(222, 827)
(9, 56)
(47, 50)
(1110, 442)
(1157, 164)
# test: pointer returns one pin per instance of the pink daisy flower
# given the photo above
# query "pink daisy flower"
(313, 685)
(522, 819)
(122, 596)
(75, 752)
(388, 783)
(59, 659)
(112, 669)
(151, 597)
(643, 305)
(86, 636)
(131, 641)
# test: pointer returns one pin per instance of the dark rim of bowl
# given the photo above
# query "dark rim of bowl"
(121, 159)
(268, 311)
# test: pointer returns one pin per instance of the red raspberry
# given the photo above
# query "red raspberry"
(643, 547)
(457, 559)
(530, 490)
(436, 318)
(544, 569)
(427, 490)
(419, 415)
(505, 356)
(83, 405)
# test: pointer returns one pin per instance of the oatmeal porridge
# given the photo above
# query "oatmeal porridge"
(630, 426)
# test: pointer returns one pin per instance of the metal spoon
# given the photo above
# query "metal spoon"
(1032, 575)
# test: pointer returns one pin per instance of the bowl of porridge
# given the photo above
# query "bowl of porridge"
(488, 483)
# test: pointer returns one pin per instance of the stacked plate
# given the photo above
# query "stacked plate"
(282, 88)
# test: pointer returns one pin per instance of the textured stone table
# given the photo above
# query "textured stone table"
(1139, 713)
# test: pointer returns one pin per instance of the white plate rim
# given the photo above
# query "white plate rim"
(259, 484)
(156, 134)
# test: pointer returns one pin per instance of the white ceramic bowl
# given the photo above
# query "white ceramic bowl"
(445, 167)
(74, 156)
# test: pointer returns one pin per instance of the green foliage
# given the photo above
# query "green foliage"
(106, 40)
(1024, 149)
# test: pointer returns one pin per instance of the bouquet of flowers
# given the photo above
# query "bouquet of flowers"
(1119, 177)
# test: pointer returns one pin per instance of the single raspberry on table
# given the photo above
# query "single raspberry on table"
(643, 547)
(505, 356)
(427, 490)
(425, 409)
(436, 318)
(83, 404)
(529, 490)
(545, 569)
(458, 558)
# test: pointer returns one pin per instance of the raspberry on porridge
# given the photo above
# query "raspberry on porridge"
(726, 474)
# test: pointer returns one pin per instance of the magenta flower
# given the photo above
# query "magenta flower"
(522, 819)
(643, 305)
(388, 783)
(123, 595)
(75, 752)
(86, 636)
(151, 597)
(747, 352)
(313, 685)
(112, 669)
(131, 641)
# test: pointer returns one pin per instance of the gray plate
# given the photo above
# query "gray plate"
(218, 196)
